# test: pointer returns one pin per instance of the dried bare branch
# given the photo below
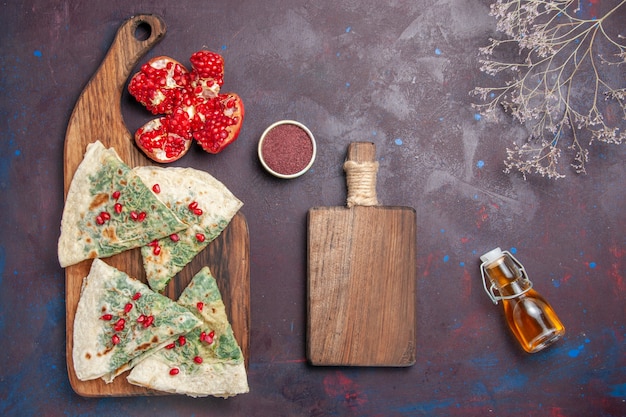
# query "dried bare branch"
(567, 84)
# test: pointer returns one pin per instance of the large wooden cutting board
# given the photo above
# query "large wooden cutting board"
(361, 278)
(98, 116)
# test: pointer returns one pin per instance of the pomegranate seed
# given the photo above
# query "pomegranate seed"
(197, 212)
(119, 325)
(136, 296)
(106, 317)
(154, 243)
(134, 215)
(200, 237)
(207, 337)
(99, 220)
(118, 208)
(197, 359)
(141, 319)
(148, 322)
(115, 339)
(170, 346)
(193, 205)
(142, 216)
(200, 305)
(174, 237)
(182, 340)
(105, 216)
(156, 188)
(128, 307)
(116, 195)
(156, 250)
(174, 371)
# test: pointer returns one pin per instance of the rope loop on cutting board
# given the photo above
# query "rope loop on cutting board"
(361, 179)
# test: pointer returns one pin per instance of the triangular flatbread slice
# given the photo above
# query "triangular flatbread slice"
(109, 210)
(120, 321)
(208, 361)
(199, 200)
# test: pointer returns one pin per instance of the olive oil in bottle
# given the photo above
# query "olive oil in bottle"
(529, 316)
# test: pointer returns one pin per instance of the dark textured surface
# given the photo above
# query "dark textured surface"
(395, 73)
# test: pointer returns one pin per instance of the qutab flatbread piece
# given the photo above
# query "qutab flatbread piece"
(109, 209)
(120, 321)
(208, 360)
(200, 201)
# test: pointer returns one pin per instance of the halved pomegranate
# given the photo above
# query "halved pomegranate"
(191, 103)
(167, 138)
(160, 84)
(222, 118)
(207, 73)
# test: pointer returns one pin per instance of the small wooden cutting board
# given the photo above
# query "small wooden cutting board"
(98, 116)
(361, 276)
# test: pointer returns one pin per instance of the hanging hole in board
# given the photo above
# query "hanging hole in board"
(143, 31)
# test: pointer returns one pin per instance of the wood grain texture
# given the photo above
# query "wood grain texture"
(97, 116)
(361, 283)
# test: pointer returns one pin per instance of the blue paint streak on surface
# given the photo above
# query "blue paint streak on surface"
(480, 163)
(2, 289)
(618, 391)
(437, 51)
(55, 311)
(11, 393)
(37, 53)
(512, 381)
(477, 116)
(446, 258)
(8, 152)
(427, 407)
(44, 366)
(5, 163)
(513, 250)
(573, 353)
(485, 361)
(479, 389)
(592, 265)
(398, 141)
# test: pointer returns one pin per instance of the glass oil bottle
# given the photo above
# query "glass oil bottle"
(529, 316)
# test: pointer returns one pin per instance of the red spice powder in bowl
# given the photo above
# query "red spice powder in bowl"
(287, 149)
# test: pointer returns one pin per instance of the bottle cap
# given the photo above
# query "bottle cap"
(491, 256)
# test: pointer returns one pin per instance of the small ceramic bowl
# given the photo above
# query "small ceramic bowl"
(287, 149)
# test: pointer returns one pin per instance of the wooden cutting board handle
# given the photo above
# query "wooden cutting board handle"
(361, 169)
(97, 114)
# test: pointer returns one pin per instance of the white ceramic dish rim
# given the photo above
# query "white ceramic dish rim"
(278, 174)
